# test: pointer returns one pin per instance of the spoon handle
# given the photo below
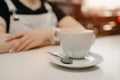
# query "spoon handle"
(52, 53)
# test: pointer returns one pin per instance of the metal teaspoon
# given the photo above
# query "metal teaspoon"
(65, 60)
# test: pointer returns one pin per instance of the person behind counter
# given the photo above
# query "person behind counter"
(28, 24)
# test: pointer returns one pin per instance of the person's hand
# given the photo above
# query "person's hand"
(5, 46)
(30, 39)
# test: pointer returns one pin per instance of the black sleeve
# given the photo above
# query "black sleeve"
(4, 12)
(59, 13)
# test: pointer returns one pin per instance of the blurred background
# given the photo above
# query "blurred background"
(102, 16)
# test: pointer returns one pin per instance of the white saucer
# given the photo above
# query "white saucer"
(91, 60)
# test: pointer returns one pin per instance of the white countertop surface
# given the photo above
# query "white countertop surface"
(35, 64)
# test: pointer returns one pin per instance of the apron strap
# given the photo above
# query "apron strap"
(48, 7)
(11, 6)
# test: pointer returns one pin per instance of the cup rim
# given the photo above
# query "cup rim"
(79, 32)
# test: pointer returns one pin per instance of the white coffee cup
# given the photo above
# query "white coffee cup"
(76, 44)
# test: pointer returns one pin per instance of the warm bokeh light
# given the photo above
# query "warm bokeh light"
(119, 19)
(112, 23)
(106, 13)
(118, 13)
(107, 27)
(100, 7)
(107, 4)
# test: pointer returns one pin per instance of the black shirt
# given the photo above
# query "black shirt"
(22, 9)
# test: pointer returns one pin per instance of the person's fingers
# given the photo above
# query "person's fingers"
(36, 45)
(30, 46)
(14, 47)
(18, 43)
(24, 44)
(14, 36)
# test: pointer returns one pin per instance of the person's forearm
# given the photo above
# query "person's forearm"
(70, 23)
(2, 25)
(2, 29)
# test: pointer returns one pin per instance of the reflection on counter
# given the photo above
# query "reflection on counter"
(98, 15)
